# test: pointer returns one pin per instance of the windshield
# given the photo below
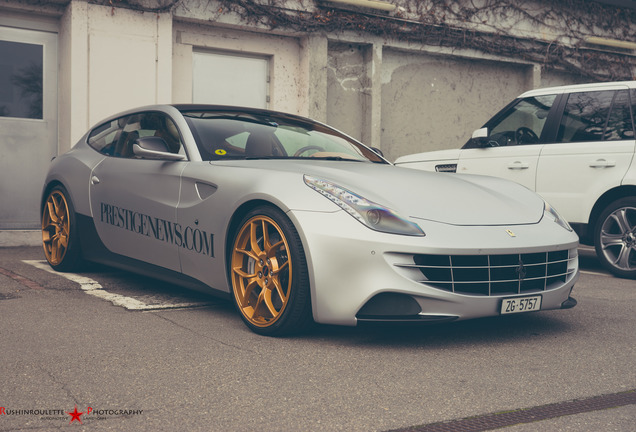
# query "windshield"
(245, 135)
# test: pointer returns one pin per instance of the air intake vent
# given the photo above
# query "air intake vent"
(493, 275)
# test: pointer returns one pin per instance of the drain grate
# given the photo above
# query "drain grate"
(529, 415)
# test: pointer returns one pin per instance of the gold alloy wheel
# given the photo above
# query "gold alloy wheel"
(261, 271)
(56, 227)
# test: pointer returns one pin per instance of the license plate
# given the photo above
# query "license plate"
(520, 304)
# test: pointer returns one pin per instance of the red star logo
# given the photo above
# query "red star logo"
(75, 415)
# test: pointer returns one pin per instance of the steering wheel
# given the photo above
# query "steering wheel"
(525, 135)
(307, 148)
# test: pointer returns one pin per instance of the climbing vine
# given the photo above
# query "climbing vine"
(546, 32)
(498, 27)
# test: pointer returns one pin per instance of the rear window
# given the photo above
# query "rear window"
(596, 116)
(104, 137)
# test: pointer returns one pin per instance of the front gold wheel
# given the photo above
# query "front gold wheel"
(58, 238)
(268, 273)
(261, 271)
(55, 227)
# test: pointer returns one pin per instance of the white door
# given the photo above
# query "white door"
(28, 122)
(593, 151)
(134, 201)
(513, 141)
(516, 163)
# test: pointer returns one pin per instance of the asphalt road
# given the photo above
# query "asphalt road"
(116, 351)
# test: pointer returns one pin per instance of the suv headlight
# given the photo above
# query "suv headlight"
(550, 212)
(373, 215)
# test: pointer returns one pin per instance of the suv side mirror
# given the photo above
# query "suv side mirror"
(480, 138)
(481, 133)
(152, 147)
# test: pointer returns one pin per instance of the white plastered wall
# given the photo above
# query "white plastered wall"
(111, 59)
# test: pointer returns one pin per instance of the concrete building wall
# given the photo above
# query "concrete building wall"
(348, 87)
(553, 79)
(432, 102)
(111, 59)
(129, 60)
(401, 96)
(423, 100)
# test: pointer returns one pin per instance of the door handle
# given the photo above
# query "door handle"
(518, 165)
(602, 163)
(94, 180)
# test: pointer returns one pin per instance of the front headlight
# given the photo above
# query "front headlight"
(373, 215)
(550, 212)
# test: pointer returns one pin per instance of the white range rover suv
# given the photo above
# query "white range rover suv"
(574, 145)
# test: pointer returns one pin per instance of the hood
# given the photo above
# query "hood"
(433, 156)
(458, 199)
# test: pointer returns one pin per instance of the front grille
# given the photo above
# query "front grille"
(451, 168)
(496, 274)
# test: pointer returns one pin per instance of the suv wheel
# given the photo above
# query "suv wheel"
(615, 237)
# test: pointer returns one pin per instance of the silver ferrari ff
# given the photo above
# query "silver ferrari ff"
(297, 222)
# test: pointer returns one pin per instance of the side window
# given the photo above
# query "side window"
(595, 116)
(619, 124)
(633, 98)
(522, 123)
(148, 124)
(104, 138)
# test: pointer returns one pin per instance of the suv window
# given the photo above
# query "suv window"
(596, 116)
(521, 124)
(620, 125)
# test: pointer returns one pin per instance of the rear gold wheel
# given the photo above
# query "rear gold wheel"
(269, 274)
(58, 231)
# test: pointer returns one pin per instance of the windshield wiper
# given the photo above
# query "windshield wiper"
(240, 117)
(309, 159)
(337, 158)
(266, 157)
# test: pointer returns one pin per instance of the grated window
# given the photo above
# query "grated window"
(496, 274)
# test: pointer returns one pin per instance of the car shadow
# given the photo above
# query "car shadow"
(536, 325)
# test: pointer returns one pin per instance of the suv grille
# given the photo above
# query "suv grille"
(446, 168)
(491, 275)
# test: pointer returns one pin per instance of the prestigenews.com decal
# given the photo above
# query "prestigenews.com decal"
(186, 237)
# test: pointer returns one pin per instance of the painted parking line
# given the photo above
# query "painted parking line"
(596, 273)
(94, 288)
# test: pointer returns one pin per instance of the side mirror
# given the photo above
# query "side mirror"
(152, 147)
(480, 138)
(480, 133)
(377, 151)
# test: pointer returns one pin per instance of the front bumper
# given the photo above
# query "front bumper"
(359, 274)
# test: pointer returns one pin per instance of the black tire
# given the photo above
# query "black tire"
(615, 237)
(268, 274)
(59, 231)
